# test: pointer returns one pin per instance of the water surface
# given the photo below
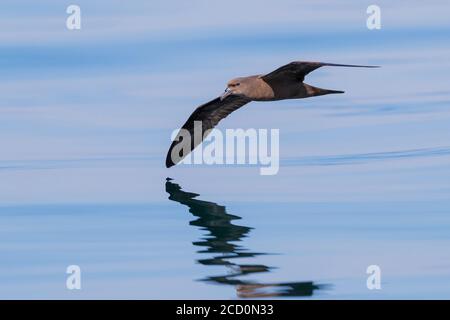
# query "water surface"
(85, 124)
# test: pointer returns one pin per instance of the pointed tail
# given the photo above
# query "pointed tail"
(314, 91)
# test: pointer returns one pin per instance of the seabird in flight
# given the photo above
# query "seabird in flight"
(283, 83)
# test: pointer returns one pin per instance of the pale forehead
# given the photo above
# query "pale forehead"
(235, 80)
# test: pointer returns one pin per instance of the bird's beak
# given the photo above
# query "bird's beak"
(225, 94)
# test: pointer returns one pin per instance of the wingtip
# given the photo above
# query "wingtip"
(169, 164)
(350, 65)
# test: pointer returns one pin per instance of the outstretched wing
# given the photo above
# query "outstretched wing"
(297, 70)
(205, 117)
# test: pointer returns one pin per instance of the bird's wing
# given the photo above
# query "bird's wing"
(297, 70)
(209, 114)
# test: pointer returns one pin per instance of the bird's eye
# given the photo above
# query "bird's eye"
(237, 84)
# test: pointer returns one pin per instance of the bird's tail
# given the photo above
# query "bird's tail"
(328, 91)
(314, 91)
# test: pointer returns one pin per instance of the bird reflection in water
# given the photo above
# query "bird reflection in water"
(221, 242)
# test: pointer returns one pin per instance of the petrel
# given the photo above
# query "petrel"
(283, 83)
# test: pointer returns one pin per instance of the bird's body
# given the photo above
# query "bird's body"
(256, 88)
(285, 82)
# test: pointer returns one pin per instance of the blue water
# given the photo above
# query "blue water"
(85, 124)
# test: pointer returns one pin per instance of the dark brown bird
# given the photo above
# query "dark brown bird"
(285, 82)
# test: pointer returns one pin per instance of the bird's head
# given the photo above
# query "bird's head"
(235, 86)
